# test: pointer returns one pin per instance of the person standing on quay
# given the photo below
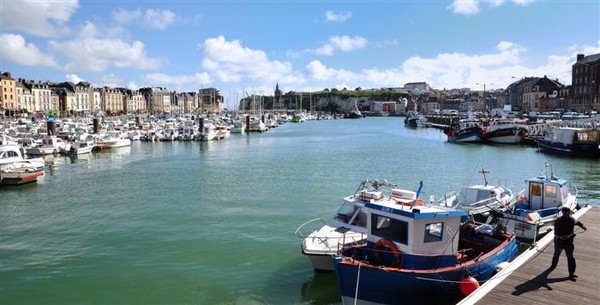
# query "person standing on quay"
(564, 235)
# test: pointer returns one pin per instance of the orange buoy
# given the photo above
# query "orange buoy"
(468, 285)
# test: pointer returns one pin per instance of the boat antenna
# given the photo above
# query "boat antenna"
(484, 172)
(546, 164)
(418, 192)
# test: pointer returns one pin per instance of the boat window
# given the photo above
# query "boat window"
(360, 219)
(345, 212)
(535, 189)
(389, 228)
(588, 136)
(550, 191)
(434, 232)
(485, 194)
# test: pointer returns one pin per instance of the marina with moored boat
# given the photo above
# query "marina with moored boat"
(305, 164)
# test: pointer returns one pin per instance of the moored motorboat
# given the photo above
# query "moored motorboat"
(19, 173)
(51, 145)
(420, 253)
(10, 155)
(569, 141)
(539, 204)
(81, 147)
(479, 199)
(348, 226)
(113, 139)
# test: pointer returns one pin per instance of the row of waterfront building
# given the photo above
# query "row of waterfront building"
(529, 94)
(21, 95)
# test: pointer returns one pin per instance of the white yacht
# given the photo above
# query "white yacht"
(113, 139)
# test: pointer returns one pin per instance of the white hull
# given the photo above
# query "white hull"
(321, 262)
(321, 245)
(81, 151)
(119, 143)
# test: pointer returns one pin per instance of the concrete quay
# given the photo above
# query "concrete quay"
(530, 282)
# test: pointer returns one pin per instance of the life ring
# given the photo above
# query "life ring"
(393, 249)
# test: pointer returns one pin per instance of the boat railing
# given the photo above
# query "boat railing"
(299, 229)
(352, 242)
(448, 198)
(573, 190)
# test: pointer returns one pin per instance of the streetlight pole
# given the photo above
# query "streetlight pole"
(485, 104)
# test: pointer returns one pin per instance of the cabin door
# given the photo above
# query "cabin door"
(536, 195)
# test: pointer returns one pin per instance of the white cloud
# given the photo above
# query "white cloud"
(522, 2)
(41, 18)
(465, 7)
(96, 54)
(450, 70)
(496, 3)
(150, 18)
(332, 16)
(471, 7)
(177, 82)
(73, 78)
(109, 80)
(15, 49)
(457, 70)
(230, 61)
(96, 49)
(315, 70)
(343, 43)
(587, 50)
(133, 86)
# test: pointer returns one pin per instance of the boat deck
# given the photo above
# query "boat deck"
(529, 284)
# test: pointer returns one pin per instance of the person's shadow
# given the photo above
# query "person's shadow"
(538, 282)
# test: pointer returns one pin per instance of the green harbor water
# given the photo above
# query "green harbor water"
(214, 222)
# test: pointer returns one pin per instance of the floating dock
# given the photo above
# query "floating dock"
(527, 281)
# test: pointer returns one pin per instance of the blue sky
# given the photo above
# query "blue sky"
(244, 47)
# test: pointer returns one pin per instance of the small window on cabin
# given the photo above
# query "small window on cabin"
(434, 232)
(388, 228)
(535, 190)
(551, 191)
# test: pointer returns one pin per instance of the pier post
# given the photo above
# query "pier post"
(96, 125)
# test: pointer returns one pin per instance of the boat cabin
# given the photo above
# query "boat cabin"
(10, 153)
(477, 194)
(421, 234)
(545, 195)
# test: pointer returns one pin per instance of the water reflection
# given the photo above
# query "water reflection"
(321, 289)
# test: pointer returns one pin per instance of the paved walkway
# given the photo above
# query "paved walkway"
(531, 285)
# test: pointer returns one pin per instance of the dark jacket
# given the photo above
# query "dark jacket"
(565, 225)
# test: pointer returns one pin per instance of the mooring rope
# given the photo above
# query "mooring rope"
(357, 281)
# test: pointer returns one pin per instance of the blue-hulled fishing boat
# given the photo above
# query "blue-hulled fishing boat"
(418, 252)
